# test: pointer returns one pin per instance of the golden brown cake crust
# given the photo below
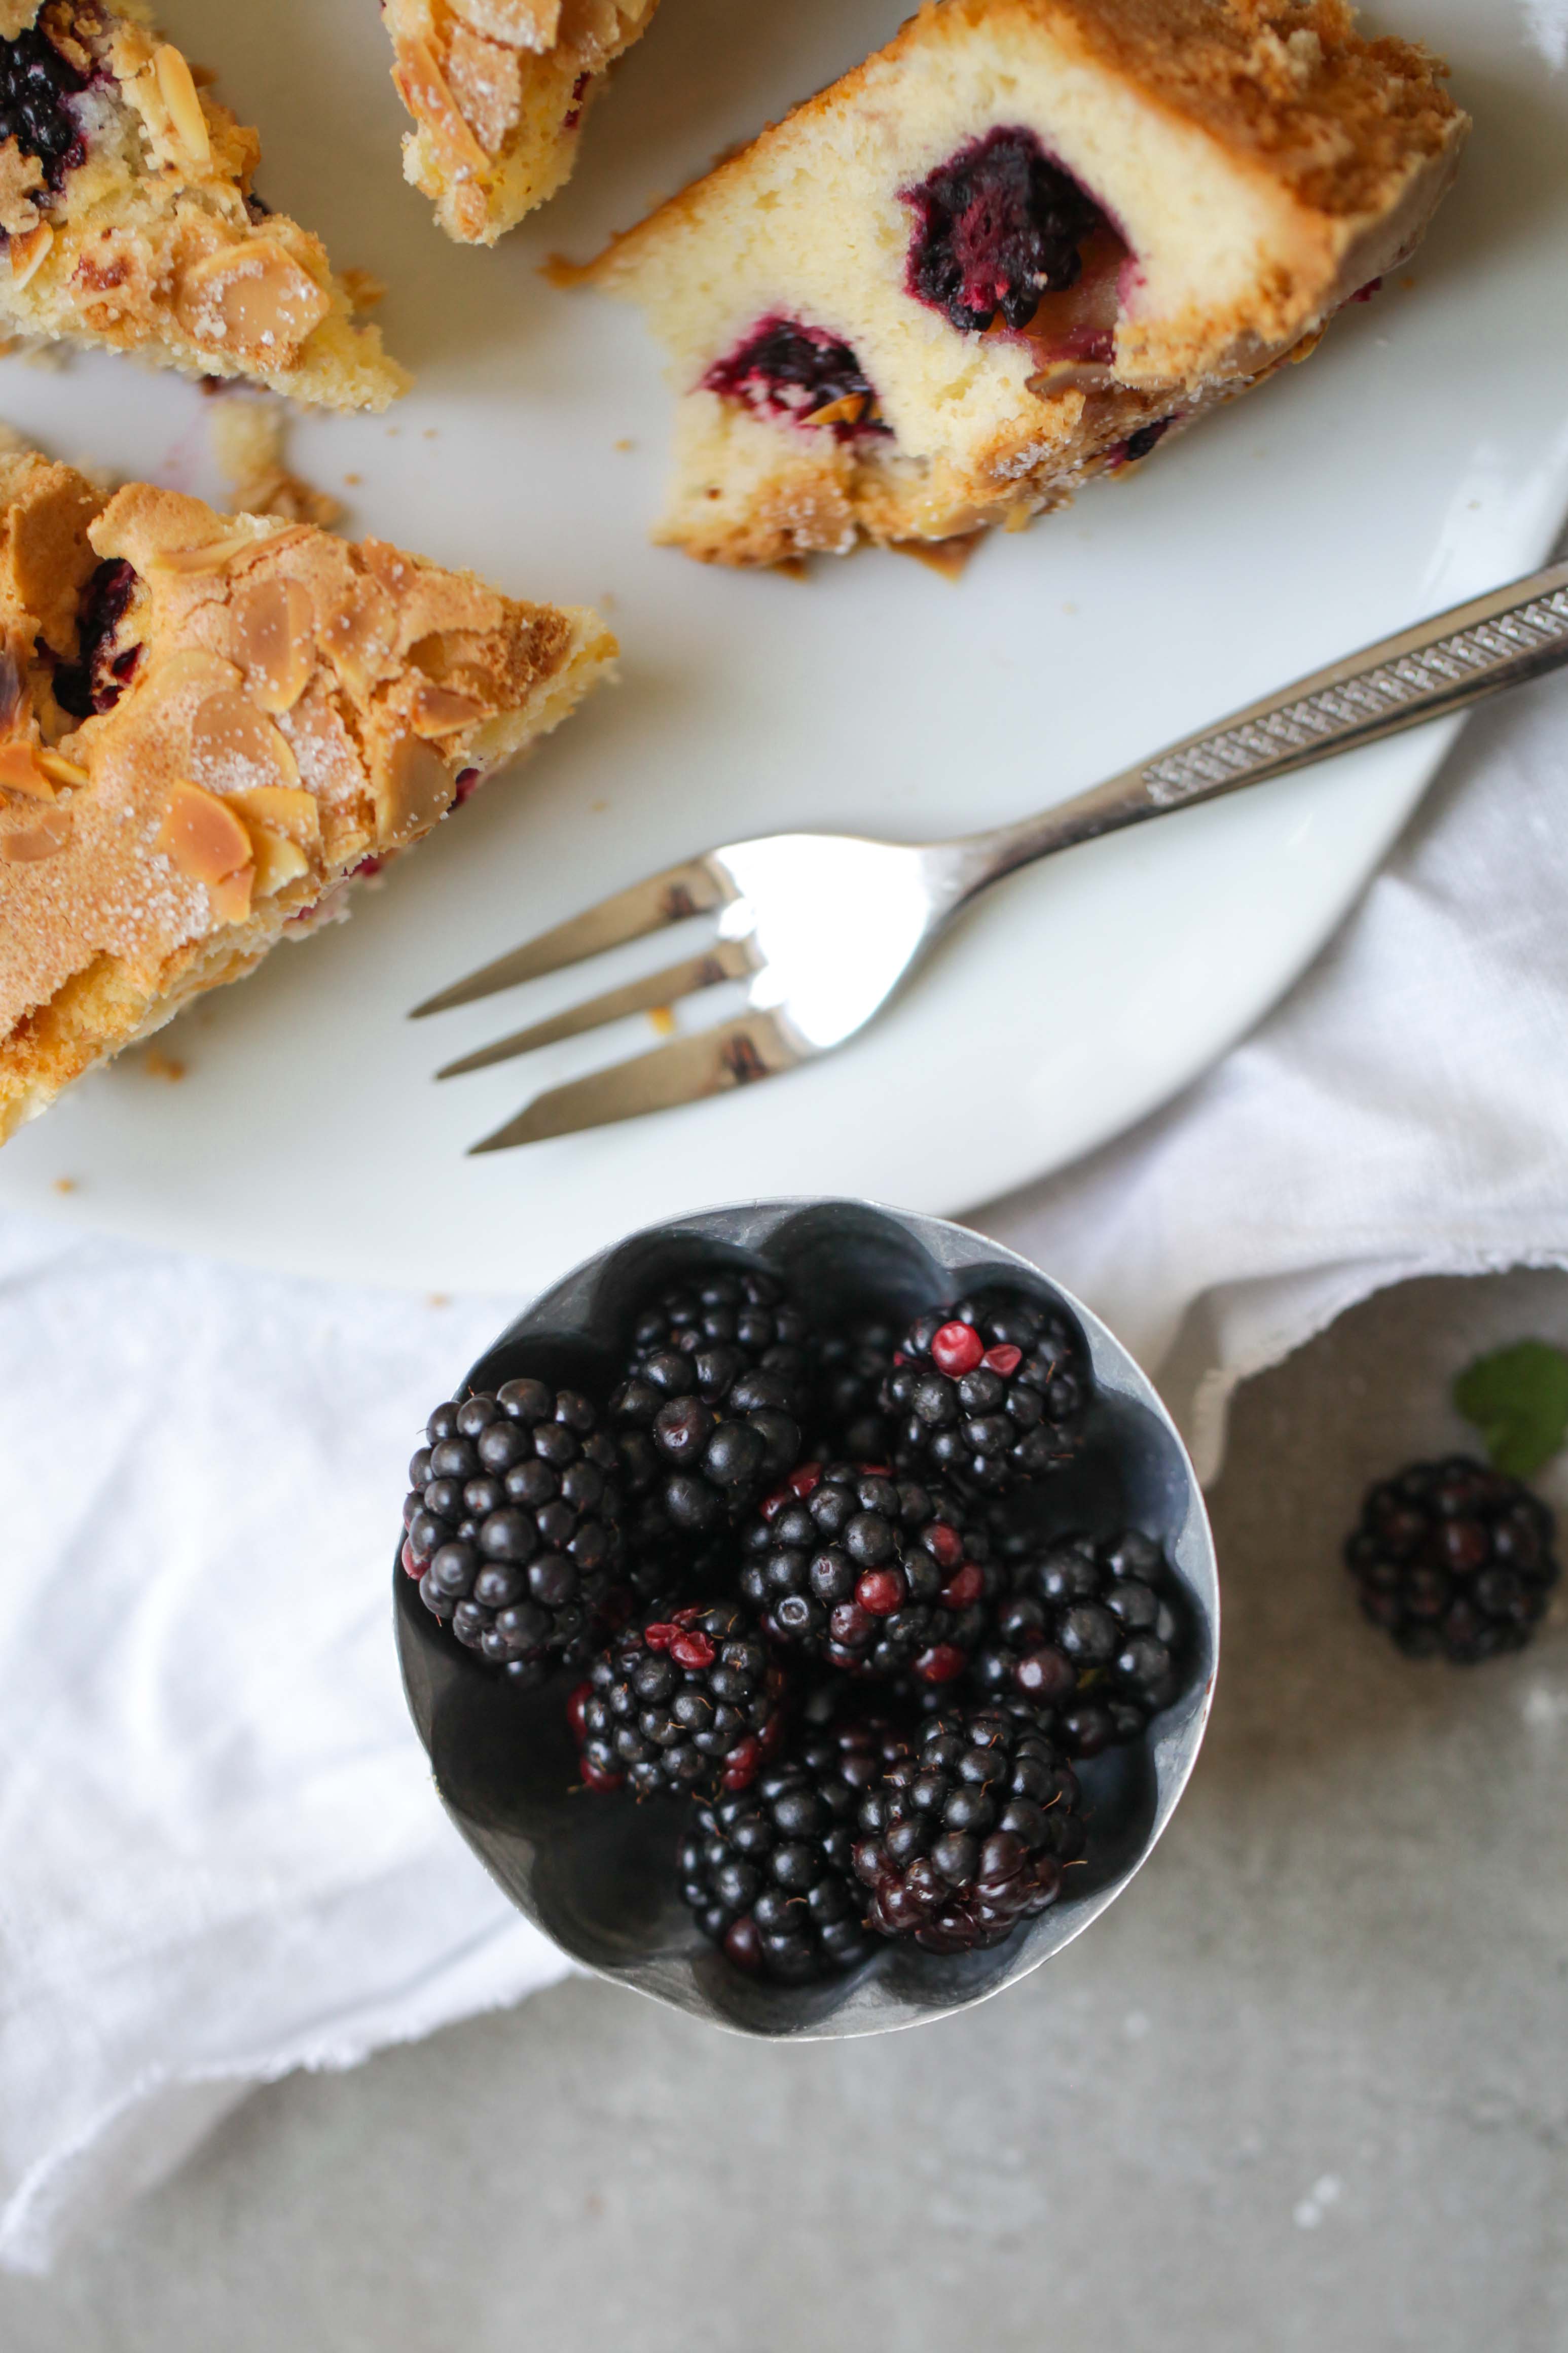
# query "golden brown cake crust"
(1339, 124)
(295, 705)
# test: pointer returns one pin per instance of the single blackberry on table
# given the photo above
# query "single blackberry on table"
(511, 1526)
(970, 1832)
(996, 227)
(768, 1870)
(1093, 1632)
(36, 86)
(707, 1418)
(872, 1573)
(690, 1702)
(989, 1394)
(1454, 1557)
(848, 1368)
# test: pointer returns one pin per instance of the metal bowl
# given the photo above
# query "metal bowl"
(597, 1873)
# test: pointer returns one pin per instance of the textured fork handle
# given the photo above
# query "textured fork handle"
(1440, 666)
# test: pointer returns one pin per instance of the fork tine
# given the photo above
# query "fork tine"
(692, 889)
(725, 960)
(733, 1055)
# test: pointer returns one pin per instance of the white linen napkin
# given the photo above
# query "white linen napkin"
(221, 1856)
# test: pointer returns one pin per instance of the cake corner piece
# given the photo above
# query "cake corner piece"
(1017, 248)
(498, 90)
(210, 727)
(130, 222)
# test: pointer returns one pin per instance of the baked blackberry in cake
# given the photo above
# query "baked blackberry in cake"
(498, 89)
(209, 724)
(128, 218)
(1019, 246)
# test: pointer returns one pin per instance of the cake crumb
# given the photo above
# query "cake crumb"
(948, 557)
(363, 289)
(663, 1019)
(250, 435)
(156, 1064)
(625, 445)
(440, 1298)
(65, 1184)
(353, 481)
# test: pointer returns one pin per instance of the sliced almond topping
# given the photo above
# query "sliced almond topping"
(234, 745)
(416, 789)
(279, 860)
(280, 810)
(231, 895)
(847, 411)
(437, 711)
(424, 90)
(203, 837)
(61, 771)
(359, 635)
(28, 253)
(211, 556)
(178, 91)
(20, 773)
(252, 299)
(194, 666)
(43, 840)
(388, 564)
(1068, 375)
(273, 636)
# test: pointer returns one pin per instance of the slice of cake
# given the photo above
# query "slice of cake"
(1017, 248)
(498, 89)
(127, 217)
(209, 724)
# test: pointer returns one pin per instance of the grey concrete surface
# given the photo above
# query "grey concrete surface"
(1305, 2087)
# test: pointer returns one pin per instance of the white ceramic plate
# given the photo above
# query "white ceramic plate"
(1421, 457)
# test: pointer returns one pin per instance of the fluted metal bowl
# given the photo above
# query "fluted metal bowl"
(597, 1873)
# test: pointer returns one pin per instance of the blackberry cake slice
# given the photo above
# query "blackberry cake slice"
(128, 218)
(1017, 248)
(210, 725)
(498, 89)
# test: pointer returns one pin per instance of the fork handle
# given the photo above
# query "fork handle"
(1440, 666)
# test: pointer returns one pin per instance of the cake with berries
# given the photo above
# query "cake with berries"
(1017, 248)
(130, 222)
(498, 89)
(209, 725)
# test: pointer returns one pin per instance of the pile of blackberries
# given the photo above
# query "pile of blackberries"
(773, 1565)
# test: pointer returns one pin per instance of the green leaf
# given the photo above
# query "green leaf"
(1518, 1399)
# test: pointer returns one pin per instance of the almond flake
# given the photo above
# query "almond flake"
(424, 90)
(847, 411)
(212, 557)
(203, 837)
(20, 773)
(28, 253)
(230, 895)
(273, 636)
(234, 745)
(61, 771)
(178, 91)
(279, 860)
(253, 300)
(280, 810)
(45, 840)
(416, 789)
(437, 711)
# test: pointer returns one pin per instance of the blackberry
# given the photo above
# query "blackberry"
(847, 1370)
(970, 1832)
(707, 1418)
(786, 369)
(101, 670)
(1093, 1632)
(36, 86)
(871, 1574)
(996, 227)
(768, 1871)
(511, 1526)
(690, 1702)
(1454, 1557)
(990, 1394)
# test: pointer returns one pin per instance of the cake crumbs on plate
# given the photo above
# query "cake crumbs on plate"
(250, 442)
(156, 1064)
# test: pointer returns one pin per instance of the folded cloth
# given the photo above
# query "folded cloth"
(220, 1853)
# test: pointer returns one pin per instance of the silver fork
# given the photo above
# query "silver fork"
(823, 928)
